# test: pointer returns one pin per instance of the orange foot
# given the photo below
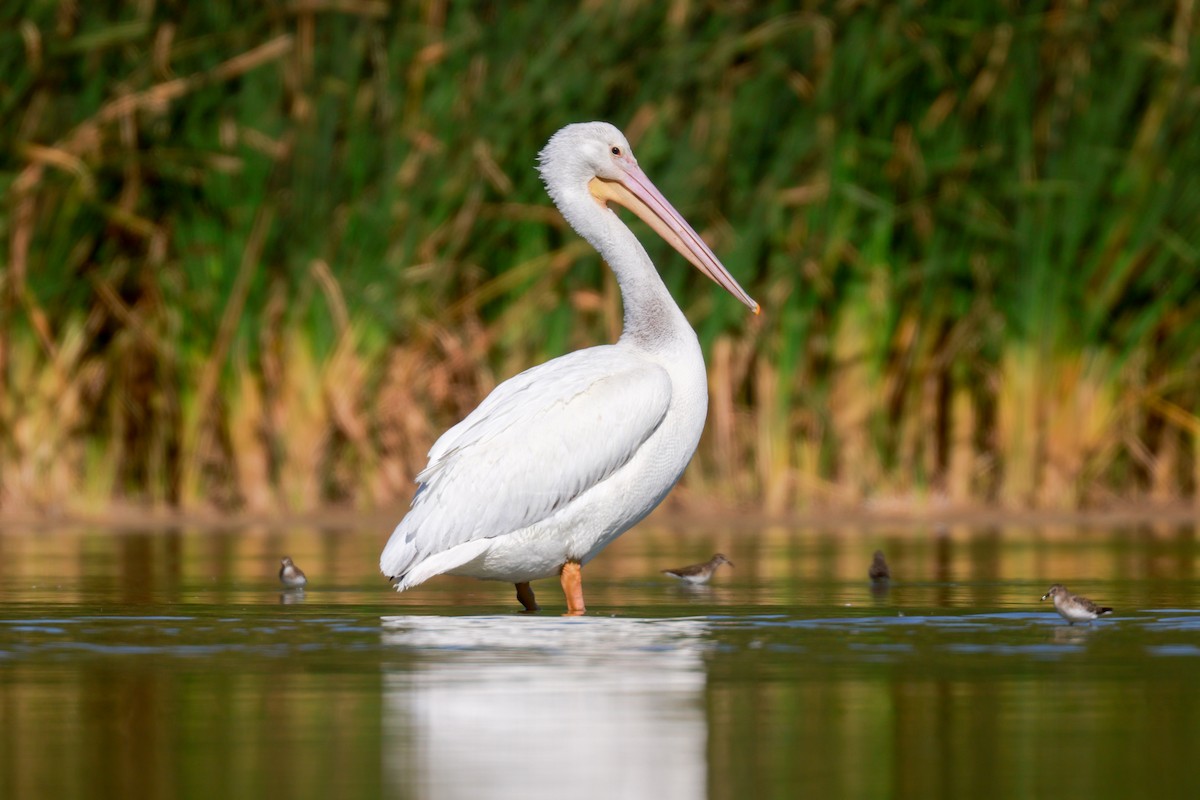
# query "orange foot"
(571, 578)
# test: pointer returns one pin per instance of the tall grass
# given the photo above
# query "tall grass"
(260, 259)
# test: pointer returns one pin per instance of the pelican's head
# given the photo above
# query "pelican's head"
(596, 157)
(583, 151)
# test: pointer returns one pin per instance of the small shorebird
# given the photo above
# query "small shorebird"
(290, 575)
(1072, 607)
(698, 573)
(878, 571)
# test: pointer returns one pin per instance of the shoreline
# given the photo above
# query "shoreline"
(677, 514)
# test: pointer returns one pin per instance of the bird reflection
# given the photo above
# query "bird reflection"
(1070, 634)
(291, 596)
(608, 707)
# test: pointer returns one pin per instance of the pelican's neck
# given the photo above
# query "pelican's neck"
(652, 319)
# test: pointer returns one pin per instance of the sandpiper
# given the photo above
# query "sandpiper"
(699, 573)
(290, 575)
(878, 571)
(1072, 607)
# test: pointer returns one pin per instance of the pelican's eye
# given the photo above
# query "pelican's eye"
(616, 151)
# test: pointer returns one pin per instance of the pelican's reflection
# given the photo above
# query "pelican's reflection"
(538, 706)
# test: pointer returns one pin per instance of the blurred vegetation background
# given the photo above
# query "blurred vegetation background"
(256, 256)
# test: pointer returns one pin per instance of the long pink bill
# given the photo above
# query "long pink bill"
(640, 196)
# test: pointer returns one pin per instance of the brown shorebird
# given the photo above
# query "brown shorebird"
(698, 573)
(878, 572)
(1072, 607)
(290, 575)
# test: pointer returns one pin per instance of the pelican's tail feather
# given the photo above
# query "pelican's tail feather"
(435, 564)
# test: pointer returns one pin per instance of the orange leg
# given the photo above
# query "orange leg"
(571, 578)
(525, 595)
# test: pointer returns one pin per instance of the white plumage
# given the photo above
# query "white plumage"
(561, 459)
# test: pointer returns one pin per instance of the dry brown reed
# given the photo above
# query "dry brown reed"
(970, 240)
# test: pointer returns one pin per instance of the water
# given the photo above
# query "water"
(170, 664)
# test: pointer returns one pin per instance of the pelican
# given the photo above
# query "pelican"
(560, 460)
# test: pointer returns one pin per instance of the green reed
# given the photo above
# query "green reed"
(294, 242)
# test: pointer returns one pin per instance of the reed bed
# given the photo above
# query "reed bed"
(259, 260)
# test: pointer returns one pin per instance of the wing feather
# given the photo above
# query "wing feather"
(538, 441)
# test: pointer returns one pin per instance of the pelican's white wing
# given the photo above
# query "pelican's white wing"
(537, 442)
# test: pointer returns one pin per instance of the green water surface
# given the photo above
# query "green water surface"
(170, 664)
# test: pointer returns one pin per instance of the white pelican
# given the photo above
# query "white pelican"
(560, 460)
